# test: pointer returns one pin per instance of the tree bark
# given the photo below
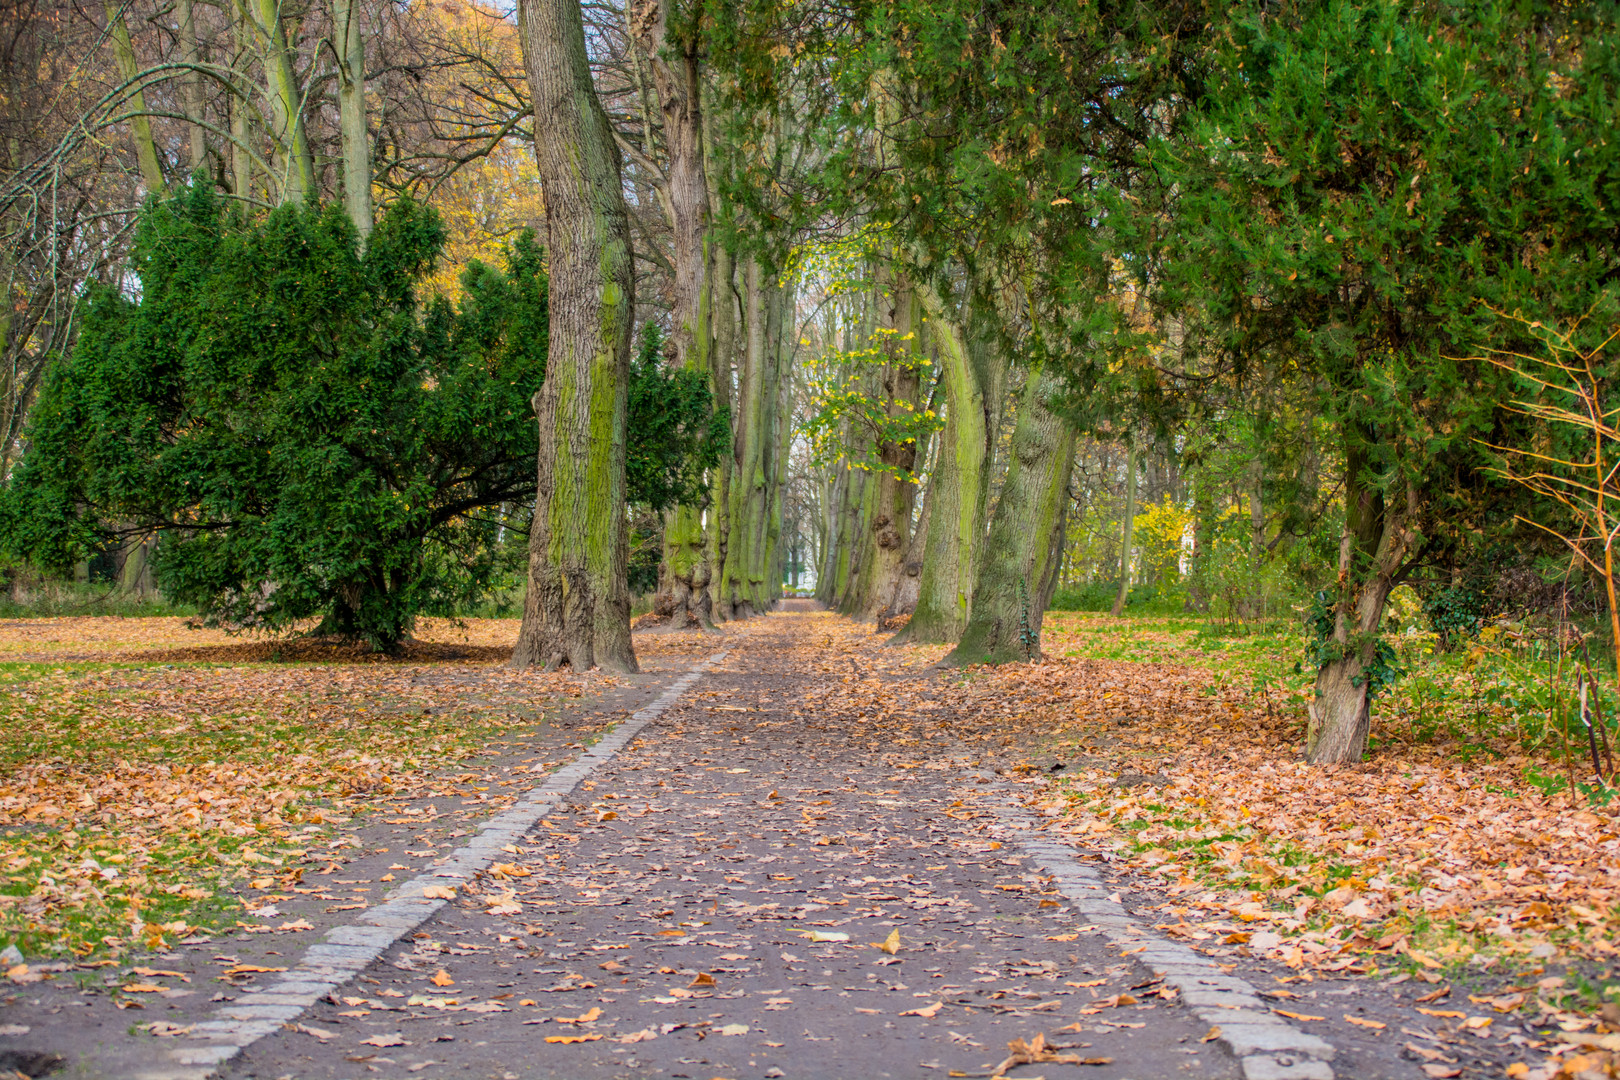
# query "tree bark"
(241, 161)
(1203, 539)
(716, 519)
(577, 611)
(1018, 568)
(1130, 524)
(286, 106)
(140, 125)
(959, 485)
(686, 573)
(1377, 545)
(191, 84)
(899, 313)
(349, 44)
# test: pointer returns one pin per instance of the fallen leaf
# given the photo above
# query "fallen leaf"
(439, 892)
(1360, 1021)
(927, 1011)
(590, 1036)
(1297, 1016)
(891, 944)
(1443, 1013)
(395, 1039)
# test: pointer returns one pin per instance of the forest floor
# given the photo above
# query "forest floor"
(828, 858)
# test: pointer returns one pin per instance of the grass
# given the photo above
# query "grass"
(134, 794)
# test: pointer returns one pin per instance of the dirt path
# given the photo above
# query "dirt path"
(667, 918)
(789, 873)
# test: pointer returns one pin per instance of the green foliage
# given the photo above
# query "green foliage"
(676, 435)
(1455, 613)
(1378, 673)
(305, 438)
(847, 399)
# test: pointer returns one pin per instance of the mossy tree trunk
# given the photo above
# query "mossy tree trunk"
(895, 494)
(724, 314)
(668, 37)
(349, 44)
(140, 124)
(577, 611)
(1018, 566)
(973, 374)
(293, 157)
(754, 514)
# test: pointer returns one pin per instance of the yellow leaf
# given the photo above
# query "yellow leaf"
(588, 1037)
(929, 1011)
(703, 979)
(891, 944)
(1360, 1022)
(1452, 1013)
(443, 978)
(439, 892)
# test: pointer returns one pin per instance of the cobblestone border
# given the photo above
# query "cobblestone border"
(350, 949)
(1265, 1045)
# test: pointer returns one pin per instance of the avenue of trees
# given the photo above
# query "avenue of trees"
(954, 307)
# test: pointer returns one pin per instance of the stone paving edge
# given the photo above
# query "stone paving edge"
(351, 948)
(1266, 1046)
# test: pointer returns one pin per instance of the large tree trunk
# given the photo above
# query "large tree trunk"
(959, 486)
(1377, 545)
(687, 572)
(577, 611)
(717, 517)
(899, 313)
(1130, 524)
(1019, 564)
(140, 125)
(350, 46)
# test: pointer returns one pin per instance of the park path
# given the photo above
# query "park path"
(664, 920)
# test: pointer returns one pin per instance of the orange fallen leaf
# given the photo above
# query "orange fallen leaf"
(1297, 1016)
(586, 1037)
(927, 1011)
(442, 978)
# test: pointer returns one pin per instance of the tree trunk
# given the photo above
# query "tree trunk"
(241, 110)
(1376, 547)
(191, 85)
(297, 178)
(959, 485)
(349, 44)
(900, 314)
(1130, 524)
(1018, 568)
(686, 573)
(1203, 539)
(577, 611)
(722, 359)
(140, 125)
